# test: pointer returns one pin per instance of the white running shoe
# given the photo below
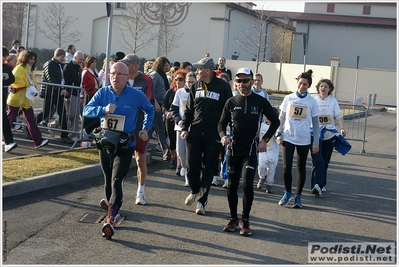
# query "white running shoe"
(200, 210)
(140, 199)
(190, 199)
(44, 142)
(260, 183)
(186, 184)
(9, 147)
(183, 172)
(324, 189)
(215, 180)
(226, 184)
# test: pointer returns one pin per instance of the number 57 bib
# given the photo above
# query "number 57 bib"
(114, 122)
(298, 111)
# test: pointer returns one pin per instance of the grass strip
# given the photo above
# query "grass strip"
(14, 170)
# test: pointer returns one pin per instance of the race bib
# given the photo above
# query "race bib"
(298, 112)
(114, 122)
(324, 119)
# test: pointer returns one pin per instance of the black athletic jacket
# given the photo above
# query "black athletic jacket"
(243, 114)
(204, 106)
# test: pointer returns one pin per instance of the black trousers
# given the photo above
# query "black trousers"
(115, 169)
(288, 155)
(202, 149)
(7, 134)
(54, 101)
(245, 167)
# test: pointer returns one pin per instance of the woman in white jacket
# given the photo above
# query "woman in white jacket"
(330, 113)
(177, 108)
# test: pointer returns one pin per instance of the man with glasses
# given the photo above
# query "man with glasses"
(143, 83)
(117, 106)
(243, 114)
(204, 106)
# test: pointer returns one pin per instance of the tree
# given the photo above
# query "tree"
(133, 26)
(281, 46)
(13, 17)
(57, 26)
(253, 39)
(168, 37)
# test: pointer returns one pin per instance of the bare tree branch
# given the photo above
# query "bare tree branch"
(57, 25)
(168, 38)
(252, 40)
(13, 17)
(135, 32)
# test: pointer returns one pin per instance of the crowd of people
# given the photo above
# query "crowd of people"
(198, 119)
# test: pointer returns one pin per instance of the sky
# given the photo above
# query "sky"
(293, 6)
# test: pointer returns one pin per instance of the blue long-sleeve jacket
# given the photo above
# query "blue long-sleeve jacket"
(128, 103)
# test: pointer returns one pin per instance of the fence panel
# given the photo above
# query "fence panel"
(55, 116)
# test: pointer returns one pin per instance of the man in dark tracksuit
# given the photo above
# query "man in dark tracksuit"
(204, 106)
(243, 113)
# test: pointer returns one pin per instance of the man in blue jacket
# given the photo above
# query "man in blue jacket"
(117, 106)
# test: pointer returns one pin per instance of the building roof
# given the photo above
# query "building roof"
(338, 19)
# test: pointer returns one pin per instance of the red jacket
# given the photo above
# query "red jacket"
(90, 81)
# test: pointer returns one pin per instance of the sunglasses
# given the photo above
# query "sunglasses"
(242, 80)
(179, 79)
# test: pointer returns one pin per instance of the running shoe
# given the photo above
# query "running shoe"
(245, 230)
(284, 200)
(186, 183)
(226, 184)
(140, 198)
(269, 189)
(215, 180)
(44, 142)
(232, 225)
(104, 204)
(190, 199)
(260, 183)
(108, 228)
(297, 202)
(9, 147)
(200, 209)
(324, 189)
(316, 190)
(178, 170)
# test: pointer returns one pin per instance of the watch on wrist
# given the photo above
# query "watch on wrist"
(266, 139)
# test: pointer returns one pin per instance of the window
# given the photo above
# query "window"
(330, 8)
(366, 10)
(120, 5)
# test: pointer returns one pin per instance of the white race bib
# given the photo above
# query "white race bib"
(325, 119)
(298, 111)
(114, 122)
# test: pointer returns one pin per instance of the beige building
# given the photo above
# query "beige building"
(217, 28)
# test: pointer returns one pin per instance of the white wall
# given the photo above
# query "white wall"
(370, 81)
(375, 46)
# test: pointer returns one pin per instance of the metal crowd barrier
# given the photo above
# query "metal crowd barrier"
(355, 123)
(72, 111)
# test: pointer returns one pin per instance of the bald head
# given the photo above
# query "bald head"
(119, 75)
(78, 57)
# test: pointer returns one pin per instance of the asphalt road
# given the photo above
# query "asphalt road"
(42, 227)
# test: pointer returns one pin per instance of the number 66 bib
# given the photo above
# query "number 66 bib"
(114, 122)
(298, 111)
